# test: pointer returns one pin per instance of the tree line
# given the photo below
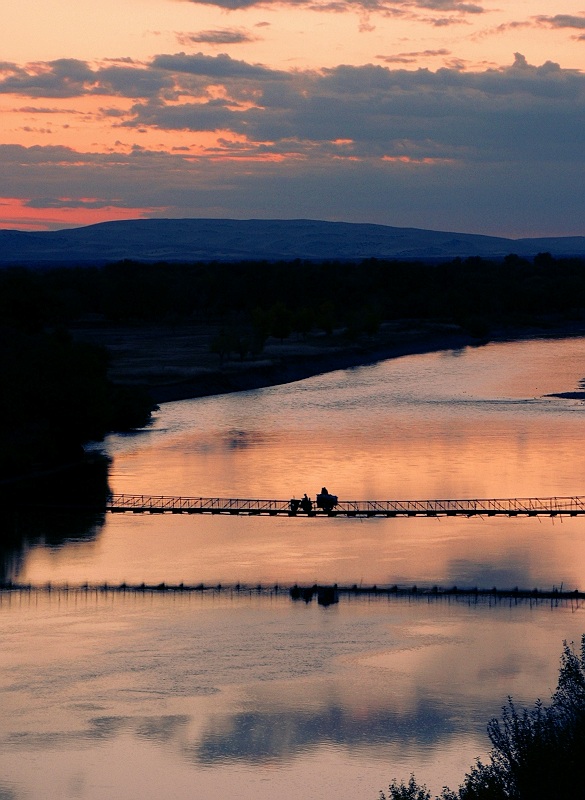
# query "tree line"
(298, 296)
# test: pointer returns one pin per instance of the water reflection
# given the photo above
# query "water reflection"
(161, 729)
(219, 687)
(512, 569)
(51, 510)
(256, 737)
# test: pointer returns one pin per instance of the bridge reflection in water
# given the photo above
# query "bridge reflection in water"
(509, 507)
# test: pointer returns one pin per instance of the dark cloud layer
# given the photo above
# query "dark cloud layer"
(516, 112)
(65, 78)
(497, 143)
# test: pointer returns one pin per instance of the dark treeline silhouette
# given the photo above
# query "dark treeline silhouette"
(55, 396)
(537, 753)
(48, 509)
(281, 297)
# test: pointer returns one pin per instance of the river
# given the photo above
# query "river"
(110, 695)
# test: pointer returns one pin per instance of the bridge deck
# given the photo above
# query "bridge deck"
(510, 507)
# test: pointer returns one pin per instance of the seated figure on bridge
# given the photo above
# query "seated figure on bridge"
(306, 503)
(325, 500)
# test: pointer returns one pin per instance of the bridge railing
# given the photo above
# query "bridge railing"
(512, 506)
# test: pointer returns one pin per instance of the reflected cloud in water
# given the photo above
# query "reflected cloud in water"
(503, 574)
(241, 439)
(256, 737)
(157, 729)
(282, 735)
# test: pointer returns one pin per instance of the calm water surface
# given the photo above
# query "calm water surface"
(203, 697)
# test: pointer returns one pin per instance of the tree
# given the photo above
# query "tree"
(537, 754)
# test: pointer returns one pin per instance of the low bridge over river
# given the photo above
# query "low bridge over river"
(507, 507)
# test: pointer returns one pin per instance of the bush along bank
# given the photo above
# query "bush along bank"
(537, 753)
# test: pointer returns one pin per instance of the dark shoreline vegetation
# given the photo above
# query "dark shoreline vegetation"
(537, 753)
(33, 512)
(67, 379)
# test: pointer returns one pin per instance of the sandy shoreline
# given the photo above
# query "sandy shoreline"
(295, 367)
(176, 363)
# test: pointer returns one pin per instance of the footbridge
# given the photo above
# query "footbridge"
(506, 507)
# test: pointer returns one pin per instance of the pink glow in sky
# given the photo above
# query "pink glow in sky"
(448, 114)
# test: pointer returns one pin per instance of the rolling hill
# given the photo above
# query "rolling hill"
(272, 240)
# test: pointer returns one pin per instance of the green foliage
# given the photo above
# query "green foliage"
(537, 754)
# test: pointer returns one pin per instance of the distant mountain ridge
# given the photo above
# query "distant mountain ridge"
(237, 240)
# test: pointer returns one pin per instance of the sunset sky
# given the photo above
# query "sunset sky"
(464, 115)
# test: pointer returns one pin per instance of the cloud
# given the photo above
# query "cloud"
(450, 5)
(520, 112)
(220, 66)
(375, 106)
(234, 5)
(212, 116)
(384, 6)
(502, 192)
(385, 112)
(66, 78)
(562, 21)
(413, 56)
(112, 112)
(130, 82)
(443, 22)
(69, 202)
(221, 36)
(558, 21)
(45, 110)
(504, 28)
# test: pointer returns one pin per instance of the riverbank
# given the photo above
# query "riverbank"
(177, 362)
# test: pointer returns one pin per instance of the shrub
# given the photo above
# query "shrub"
(537, 754)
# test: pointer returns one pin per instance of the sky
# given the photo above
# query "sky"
(462, 115)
